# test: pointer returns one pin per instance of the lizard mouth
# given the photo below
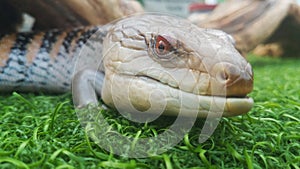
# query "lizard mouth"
(205, 105)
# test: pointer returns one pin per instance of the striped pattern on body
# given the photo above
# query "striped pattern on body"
(40, 61)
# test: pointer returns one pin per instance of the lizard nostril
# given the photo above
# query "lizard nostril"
(226, 76)
(222, 76)
(231, 80)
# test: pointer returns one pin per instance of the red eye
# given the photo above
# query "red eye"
(162, 45)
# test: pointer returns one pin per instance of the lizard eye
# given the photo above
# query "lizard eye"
(162, 47)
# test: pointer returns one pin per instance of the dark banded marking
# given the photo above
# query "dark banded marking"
(15, 66)
(53, 68)
(19, 49)
(38, 70)
(69, 43)
(57, 46)
(71, 35)
(49, 40)
(86, 34)
(73, 45)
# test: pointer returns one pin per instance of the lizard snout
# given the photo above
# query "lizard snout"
(237, 82)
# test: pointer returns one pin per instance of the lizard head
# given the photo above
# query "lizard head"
(157, 64)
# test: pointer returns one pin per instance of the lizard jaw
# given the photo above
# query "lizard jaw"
(130, 93)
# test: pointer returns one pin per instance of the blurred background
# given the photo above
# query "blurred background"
(178, 7)
(266, 27)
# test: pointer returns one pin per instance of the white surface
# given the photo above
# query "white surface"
(211, 2)
(28, 22)
(175, 7)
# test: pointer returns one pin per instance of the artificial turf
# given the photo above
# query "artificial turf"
(42, 131)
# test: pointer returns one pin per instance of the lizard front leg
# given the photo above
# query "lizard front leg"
(86, 85)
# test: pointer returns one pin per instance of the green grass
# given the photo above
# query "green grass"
(43, 131)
